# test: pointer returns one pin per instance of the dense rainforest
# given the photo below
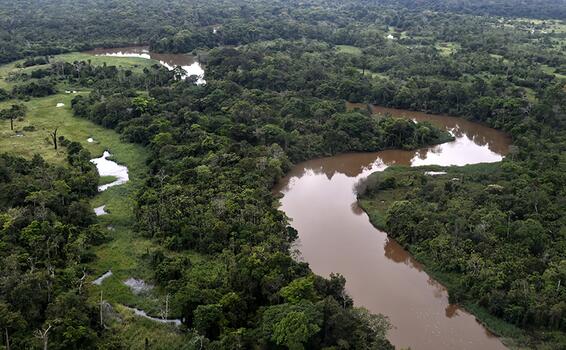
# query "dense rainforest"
(47, 230)
(182, 25)
(497, 230)
(278, 75)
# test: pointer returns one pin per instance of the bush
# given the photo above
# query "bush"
(39, 88)
(4, 95)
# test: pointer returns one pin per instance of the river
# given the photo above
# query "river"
(335, 235)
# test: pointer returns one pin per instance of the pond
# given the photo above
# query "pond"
(107, 167)
(189, 63)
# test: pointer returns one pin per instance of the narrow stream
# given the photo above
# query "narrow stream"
(335, 235)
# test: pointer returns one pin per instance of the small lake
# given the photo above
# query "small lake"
(189, 63)
(335, 235)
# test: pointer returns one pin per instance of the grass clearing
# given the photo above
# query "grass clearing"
(105, 180)
(375, 75)
(551, 70)
(124, 62)
(44, 116)
(393, 31)
(133, 63)
(124, 252)
(447, 48)
(351, 50)
(530, 94)
(135, 330)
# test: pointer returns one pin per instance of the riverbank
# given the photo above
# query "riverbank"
(399, 183)
(335, 236)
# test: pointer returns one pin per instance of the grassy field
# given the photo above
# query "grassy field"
(374, 75)
(124, 251)
(447, 48)
(134, 331)
(352, 50)
(393, 31)
(44, 116)
(132, 63)
(552, 70)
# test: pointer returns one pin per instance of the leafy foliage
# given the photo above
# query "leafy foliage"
(278, 76)
(46, 230)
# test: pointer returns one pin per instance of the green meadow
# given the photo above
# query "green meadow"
(124, 250)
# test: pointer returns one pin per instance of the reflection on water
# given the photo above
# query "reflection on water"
(336, 236)
(188, 62)
(107, 167)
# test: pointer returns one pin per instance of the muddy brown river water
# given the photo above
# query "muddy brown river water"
(335, 235)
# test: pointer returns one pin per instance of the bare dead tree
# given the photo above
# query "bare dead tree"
(31, 260)
(199, 338)
(164, 312)
(101, 309)
(54, 138)
(7, 339)
(43, 335)
(161, 176)
(50, 278)
(82, 280)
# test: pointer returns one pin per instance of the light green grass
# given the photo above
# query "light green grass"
(45, 117)
(375, 75)
(531, 94)
(551, 70)
(125, 249)
(124, 253)
(393, 31)
(447, 48)
(134, 330)
(123, 62)
(352, 50)
(134, 63)
(505, 60)
(104, 180)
